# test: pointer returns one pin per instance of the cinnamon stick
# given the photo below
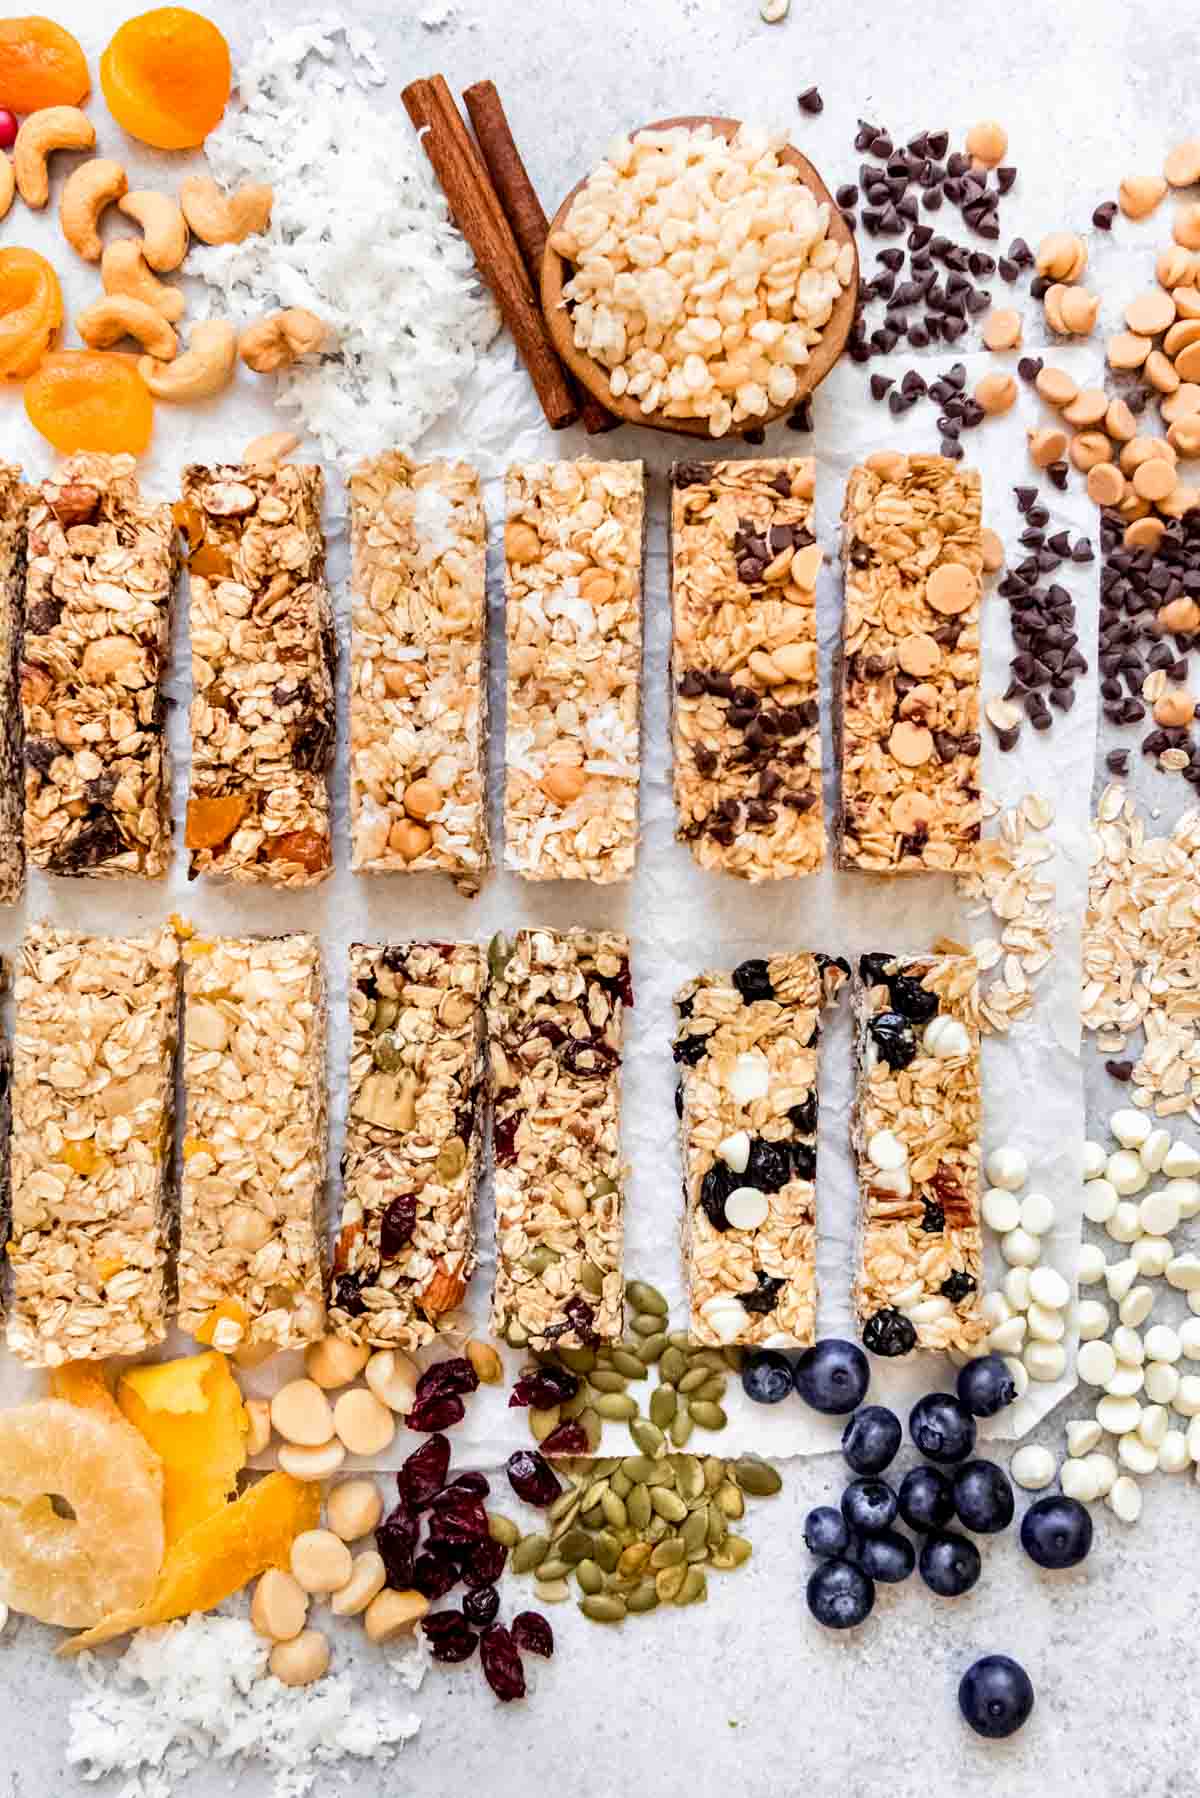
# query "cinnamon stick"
(523, 210)
(479, 216)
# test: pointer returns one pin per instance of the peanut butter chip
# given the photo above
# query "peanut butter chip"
(1182, 167)
(996, 394)
(1147, 533)
(1127, 350)
(1187, 363)
(1002, 329)
(918, 655)
(806, 566)
(1140, 194)
(919, 703)
(951, 589)
(1087, 408)
(1090, 448)
(1047, 446)
(1056, 386)
(1186, 229)
(1151, 312)
(910, 745)
(910, 811)
(1119, 421)
(1105, 484)
(992, 549)
(1154, 478)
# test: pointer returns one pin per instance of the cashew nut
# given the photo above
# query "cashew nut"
(204, 368)
(87, 191)
(220, 218)
(276, 341)
(53, 128)
(106, 321)
(270, 449)
(8, 184)
(123, 270)
(164, 229)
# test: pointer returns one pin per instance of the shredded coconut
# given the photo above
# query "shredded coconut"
(198, 1691)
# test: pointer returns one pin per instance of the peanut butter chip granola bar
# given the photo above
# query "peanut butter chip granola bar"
(414, 1141)
(418, 670)
(555, 1010)
(915, 1132)
(746, 1047)
(14, 512)
(745, 731)
(101, 575)
(907, 712)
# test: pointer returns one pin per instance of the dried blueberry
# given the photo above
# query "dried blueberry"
(769, 1165)
(763, 1297)
(348, 1295)
(933, 1219)
(532, 1477)
(435, 1572)
(424, 1472)
(531, 1632)
(481, 1605)
(461, 1519)
(871, 967)
(397, 1225)
(804, 1161)
(502, 1663)
(449, 1635)
(893, 1038)
(957, 1286)
(753, 981)
(911, 999)
(803, 1118)
(889, 1333)
(715, 1188)
(690, 1049)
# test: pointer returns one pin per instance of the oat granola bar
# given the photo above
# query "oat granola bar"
(906, 717)
(418, 670)
(915, 1132)
(745, 731)
(5, 1142)
(92, 1103)
(414, 1141)
(263, 658)
(573, 618)
(252, 1202)
(555, 1010)
(14, 515)
(747, 1049)
(102, 563)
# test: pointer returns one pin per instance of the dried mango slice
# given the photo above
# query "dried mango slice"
(190, 1411)
(31, 309)
(166, 76)
(219, 1556)
(41, 64)
(90, 400)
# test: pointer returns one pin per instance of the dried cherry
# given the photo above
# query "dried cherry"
(502, 1663)
(462, 1519)
(449, 1635)
(531, 1477)
(474, 1483)
(531, 1632)
(481, 1605)
(424, 1472)
(504, 1138)
(582, 1319)
(397, 1224)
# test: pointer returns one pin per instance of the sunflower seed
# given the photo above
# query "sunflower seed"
(632, 1366)
(708, 1415)
(669, 1583)
(615, 1514)
(670, 1553)
(590, 1577)
(503, 1529)
(648, 1436)
(757, 1477)
(651, 1348)
(646, 1298)
(694, 1589)
(529, 1553)
(662, 1406)
(681, 1425)
(551, 1591)
(668, 1504)
(600, 1381)
(616, 1407)
(603, 1608)
(672, 1365)
(644, 1597)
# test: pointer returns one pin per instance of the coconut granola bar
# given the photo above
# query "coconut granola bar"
(745, 729)
(263, 659)
(573, 617)
(14, 515)
(556, 1006)
(414, 1141)
(906, 716)
(102, 563)
(747, 1051)
(418, 670)
(915, 1132)
(92, 1103)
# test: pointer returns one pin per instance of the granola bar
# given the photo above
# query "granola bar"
(14, 515)
(5, 1140)
(263, 658)
(418, 670)
(906, 717)
(555, 1010)
(745, 731)
(573, 616)
(252, 1204)
(915, 1133)
(92, 1102)
(100, 582)
(414, 1141)
(747, 1051)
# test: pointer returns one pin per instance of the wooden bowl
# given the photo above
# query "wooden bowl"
(556, 272)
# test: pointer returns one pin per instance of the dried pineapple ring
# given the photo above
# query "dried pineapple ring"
(73, 1571)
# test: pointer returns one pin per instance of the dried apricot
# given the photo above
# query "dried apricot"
(89, 400)
(40, 65)
(211, 822)
(31, 309)
(308, 848)
(166, 76)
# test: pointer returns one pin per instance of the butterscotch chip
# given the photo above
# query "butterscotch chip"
(1147, 533)
(993, 551)
(951, 588)
(1186, 229)
(1078, 310)
(1138, 195)
(1182, 403)
(1184, 435)
(1187, 300)
(1178, 615)
(1088, 448)
(1182, 167)
(911, 811)
(1175, 707)
(1182, 332)
(1002, 329)
(1105, 484)
(1160, 372)
(1046, 446)
(1126, 350)
(1119, 421)
(1187, 363)
(1087, 408)
(1181, 499)
(1133, 506)
(1144, 449)
(918, 655)
(996, 394)
(1062, 255)
(1150, 313)
(988, 143)
(910, 744)
(1153, 479)
(1174, 266)
(1056, 386)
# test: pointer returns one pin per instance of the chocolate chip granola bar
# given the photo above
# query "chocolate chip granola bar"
(747, 1049)
(556, 1006)
(745, 728)
(906, 720)
(14, 514)
(414, 1141)
(418, 670)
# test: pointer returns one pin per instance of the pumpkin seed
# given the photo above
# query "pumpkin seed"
(566, 1501)
(605, 1607)
(646, 1298)
(681, 1425)
(591, 1278)
(652, 1347)
(554, 1567)
(574, 1545)
(600, 1381)
(593, 1519)
(694, 1534)
(503, 1529)
(672, 1365)
(757, 1477)
(593, 1494)
(645, 1323)
(695, 1587)
(513, 1333)
(640, 1468)
(730, 1500)
(648, 1436)
(606, 1551)
(714, 1388)
(668, 1504)
(689, 1477)
(551, 1591)
(708, 1415)
(664, 1472)
(633, 1559)
(574, 1407)
(529, 1553)
(711, 1358)
(590, 1577)
(592, 1426)
(578, 1360)
(679, 1339)
(541, 1423)
(733, 1552)
(499, 952)
(733, 1358)
(695, 1376)
(717, 1526)
(637, 1507)
(632, 1366)
(657, 1530)
(615, 1514)
(540, 1257)
(669, 1583)
(662, 1406)
(644, 1597)
(621, 1484)
(714, 1472)
(670, 1553)
(617, 1407)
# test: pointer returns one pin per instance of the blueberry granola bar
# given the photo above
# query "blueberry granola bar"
(418, 670)
(906, 719)
(14, 514)
(747, 1051)
(915, 1132)
(556, 1007)
(252, 1204)
(414, 1141)
(745, 728)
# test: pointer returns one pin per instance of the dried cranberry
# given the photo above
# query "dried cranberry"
(435, 1572)
(460, 1519)
(474, 1483)
(397, 1225)
(532, 1477)
(531, 1632)
(544, 1388)
(485, 1563)
(348, 1295)
(424, 1472)
(449, 1377)
(504, 1138)
(501, 1663)
(480, 1606)
(582, 1319)
(449, 1635)
(396, 1540)
(568, 1439)
(753, 981)
(436, 1413)
(589, 1059)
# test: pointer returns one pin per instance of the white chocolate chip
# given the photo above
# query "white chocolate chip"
(1153, 1425)
(1172, 1452)
(749, 1078)
(1162, 1343)
(1094, 1158)
(1033, 1467)
(1133, 1453)
(1047, 1287)
(725, 1316)
(995, 1309)
(1078, 1480)
(1187, 1399)
(1045, 1360)
(1118, 1415)
(1020, 1249)
(1092, 1316)
(1183, 1272)
(1158, 1213)
(1130, 1127)
(1151, 1255)
(1083, 1435)
(1181, 1161)
(1095, 1364)
(1120, 1277)
(1008, 1167)
(1125, 1225)
(1125, 1499)
(885, 1150)
(1019, 1372)
(1127, 1382)
(1099, 1200)
(1153, 1151)
(1136, 1307)
(894, 1180)
(1126, 1172)
(946, 1039)
(1001, 1210)
(1189, 1338)
(1009, 1338)
(1106, 1472)
(1016, 1288)
(746, 1208)
(1092, 1264)
(1128, 1345)
(735, 1151)
(1186, 1194)
(1045, 1325)
(1161, 1382)
(1037, 1213)
(1193, 1439)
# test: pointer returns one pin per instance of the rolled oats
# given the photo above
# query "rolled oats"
(92, 1101)
(573, 620)
(1010, 882)
(745, 728)
(263, 660)
(906, 721)
(556, 1006)
(100, 582)
(14, 515)
(418, 670)
(252, 1206)
(747, 1049)
(414, 1141)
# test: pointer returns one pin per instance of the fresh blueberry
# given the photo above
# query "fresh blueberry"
(1056, 1532)
(926, 1499)
(986, 1386)
(839, 1595)
(869, 1505)
(995, 1696)
(888, 1556)
(949, 1564)
(826, 1533)
(942, 1428)
(871, 1438)
(766, 1376)
(983, 1497)
(833, 1376)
